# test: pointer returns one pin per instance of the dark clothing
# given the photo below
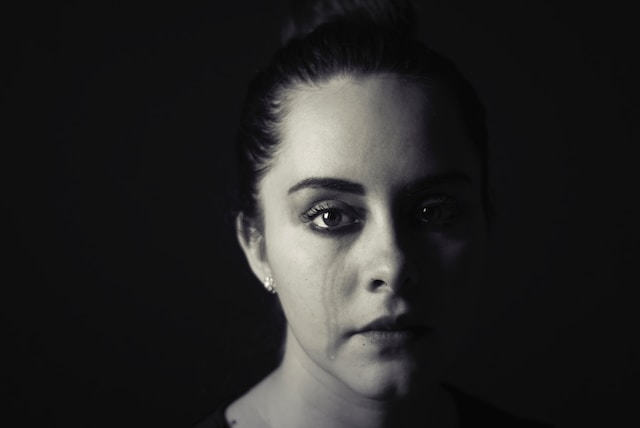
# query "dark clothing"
(472, 412)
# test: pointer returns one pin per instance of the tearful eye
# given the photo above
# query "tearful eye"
(330, 217)
(333, 219)
(431, 214)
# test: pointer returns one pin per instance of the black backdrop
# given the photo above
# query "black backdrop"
(125, 299)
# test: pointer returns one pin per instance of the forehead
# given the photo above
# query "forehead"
(347, 127)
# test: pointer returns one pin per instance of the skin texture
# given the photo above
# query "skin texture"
(407, 227)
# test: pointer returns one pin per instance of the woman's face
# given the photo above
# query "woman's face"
(372, 210)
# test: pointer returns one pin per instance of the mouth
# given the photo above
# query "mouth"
(393, 331)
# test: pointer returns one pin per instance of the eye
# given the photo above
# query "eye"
(438, 211)
(330, 216)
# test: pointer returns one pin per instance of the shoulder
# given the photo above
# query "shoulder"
(243, 407)
(474, 411)
(215, 419)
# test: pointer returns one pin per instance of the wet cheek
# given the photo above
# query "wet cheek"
(310, 265)
(337, 289)
(316, 280)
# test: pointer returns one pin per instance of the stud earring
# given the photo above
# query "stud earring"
(269, 284)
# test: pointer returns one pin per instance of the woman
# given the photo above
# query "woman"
(363, 199)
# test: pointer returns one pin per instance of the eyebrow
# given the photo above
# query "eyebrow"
(437, 180)
(328, 183)
(346, 186)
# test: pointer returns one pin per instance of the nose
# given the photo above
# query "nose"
(388, 263)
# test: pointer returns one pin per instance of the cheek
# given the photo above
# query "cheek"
(448, 269)
(452, 258)
(462, 262)
(314, 280)
(456, 265)
(453, 253)
(458, 253)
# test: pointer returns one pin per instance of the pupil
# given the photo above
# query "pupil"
(430, 213)
(331, 218)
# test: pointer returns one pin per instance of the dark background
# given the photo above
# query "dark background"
(125, 299)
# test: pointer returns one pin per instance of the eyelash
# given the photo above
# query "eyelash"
(441, 202)
(326, 207)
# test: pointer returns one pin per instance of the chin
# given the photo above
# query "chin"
(389, 381)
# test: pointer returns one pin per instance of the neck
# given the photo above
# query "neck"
(300, 393)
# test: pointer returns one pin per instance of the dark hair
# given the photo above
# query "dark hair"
(352, 44)
(306, 15)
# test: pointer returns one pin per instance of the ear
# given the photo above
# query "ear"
(252, 243)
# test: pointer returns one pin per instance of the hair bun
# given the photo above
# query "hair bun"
(307, 15)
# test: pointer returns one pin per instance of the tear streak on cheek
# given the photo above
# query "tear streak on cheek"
(335, 286)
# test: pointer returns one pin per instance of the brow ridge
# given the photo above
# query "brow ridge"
(347, 186)
(328, 183)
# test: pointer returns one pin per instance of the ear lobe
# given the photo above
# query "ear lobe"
(252, 243)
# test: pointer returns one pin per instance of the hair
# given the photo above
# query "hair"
(306, 15)
(328, 39)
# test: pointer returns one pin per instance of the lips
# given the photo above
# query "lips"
(393, 330)
(391, 323)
